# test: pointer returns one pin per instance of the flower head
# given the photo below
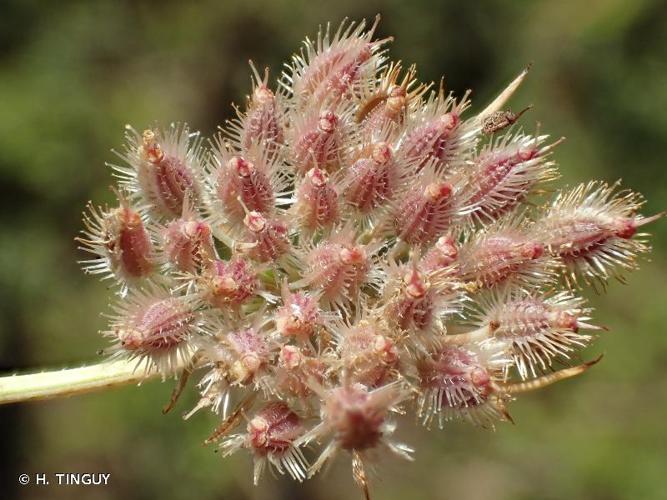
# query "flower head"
(353, 245)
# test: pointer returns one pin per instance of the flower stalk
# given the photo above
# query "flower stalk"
(72, 381)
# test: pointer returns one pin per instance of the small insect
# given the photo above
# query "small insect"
(500, 120)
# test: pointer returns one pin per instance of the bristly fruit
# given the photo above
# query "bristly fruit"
(163, 168)
(271, 435)
(352, 245)
(122, 246)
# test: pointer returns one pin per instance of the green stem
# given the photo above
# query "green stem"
(71, 381)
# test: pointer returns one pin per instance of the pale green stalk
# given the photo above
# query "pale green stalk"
(72, 381)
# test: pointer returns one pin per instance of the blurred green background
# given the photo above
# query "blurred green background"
(73, 73)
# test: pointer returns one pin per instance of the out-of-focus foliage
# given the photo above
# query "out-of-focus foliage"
(73, 73)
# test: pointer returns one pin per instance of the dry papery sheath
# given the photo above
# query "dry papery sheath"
(353, 246)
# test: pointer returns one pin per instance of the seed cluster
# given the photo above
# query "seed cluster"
(353, 245)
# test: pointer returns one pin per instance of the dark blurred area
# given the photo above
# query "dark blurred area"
(72, 74)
